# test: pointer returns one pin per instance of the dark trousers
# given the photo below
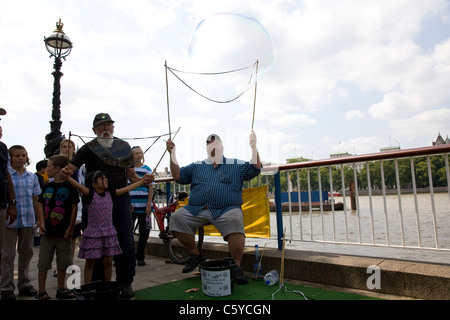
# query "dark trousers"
(143, 234)
(125, 263)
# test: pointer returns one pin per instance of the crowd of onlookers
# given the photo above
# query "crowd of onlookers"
(61, 201)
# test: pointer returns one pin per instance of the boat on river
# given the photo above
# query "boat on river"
(315, 206)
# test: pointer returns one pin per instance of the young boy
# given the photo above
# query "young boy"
(57, 219)
(41, 172)
(19, 233)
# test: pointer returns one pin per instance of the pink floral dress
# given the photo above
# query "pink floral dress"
(100, 236)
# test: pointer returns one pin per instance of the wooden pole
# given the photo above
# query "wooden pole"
(69, 155)
(352, 195)
(167, 98)
(254, 99)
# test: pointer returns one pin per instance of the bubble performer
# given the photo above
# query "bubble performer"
(215, 197)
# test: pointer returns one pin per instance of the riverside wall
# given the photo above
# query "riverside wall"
(420, 280)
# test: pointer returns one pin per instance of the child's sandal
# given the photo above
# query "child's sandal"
(64, 293)
(43, 296)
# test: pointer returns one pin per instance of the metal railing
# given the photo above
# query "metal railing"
(369, 202)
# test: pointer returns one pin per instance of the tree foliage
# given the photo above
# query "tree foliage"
(420, 170)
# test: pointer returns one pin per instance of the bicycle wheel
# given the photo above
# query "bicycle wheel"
(176, 250)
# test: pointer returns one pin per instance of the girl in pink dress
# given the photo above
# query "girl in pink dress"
(100, 236)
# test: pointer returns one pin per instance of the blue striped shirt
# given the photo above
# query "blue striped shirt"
(25, 186)
(220, 188)
(139, 196)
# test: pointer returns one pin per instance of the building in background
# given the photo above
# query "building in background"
(439, 140)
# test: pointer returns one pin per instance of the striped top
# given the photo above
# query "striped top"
(139, 196)
(220, 188)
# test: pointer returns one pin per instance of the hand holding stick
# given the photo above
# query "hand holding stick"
(154, 170)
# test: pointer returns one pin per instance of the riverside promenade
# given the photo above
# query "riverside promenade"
(400, 278)
(403, 274)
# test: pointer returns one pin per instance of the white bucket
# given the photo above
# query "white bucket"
(217, 278)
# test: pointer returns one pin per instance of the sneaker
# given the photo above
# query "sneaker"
(127, 292)
(192, 263)
(140, 262)
(8, 295)
(239, 276)
(28, 291)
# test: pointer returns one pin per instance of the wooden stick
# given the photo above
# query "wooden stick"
(254, 99)
(69, 155)
(167, 98)
(260, 262)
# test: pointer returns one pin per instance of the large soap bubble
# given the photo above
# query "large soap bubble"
(227, 41)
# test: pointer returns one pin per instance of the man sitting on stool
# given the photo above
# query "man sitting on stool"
(215, 198)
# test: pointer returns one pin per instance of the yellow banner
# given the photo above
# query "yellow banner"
(256, 213)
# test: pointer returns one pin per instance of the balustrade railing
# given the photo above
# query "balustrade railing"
(395, 198)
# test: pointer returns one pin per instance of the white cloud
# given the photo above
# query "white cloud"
(424, 125)
(423, 87)
(292, 120)
(354, 114)
(292, 150)
(117, 65)
(358, 145)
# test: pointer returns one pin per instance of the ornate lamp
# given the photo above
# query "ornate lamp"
(59, 46)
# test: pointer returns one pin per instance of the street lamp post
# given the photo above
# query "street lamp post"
(59, 46)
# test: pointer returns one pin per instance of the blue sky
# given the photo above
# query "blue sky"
(348, 76)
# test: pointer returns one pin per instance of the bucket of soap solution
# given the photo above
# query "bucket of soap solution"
(217, 277)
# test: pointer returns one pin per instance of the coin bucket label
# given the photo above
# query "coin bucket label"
(216, 283)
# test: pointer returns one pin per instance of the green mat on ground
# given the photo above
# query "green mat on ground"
(254, 290)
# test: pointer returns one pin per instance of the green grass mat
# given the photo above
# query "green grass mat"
(254, 290)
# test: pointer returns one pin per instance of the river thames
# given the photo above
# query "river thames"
(349, 240)
(382, 227)
(339, 241)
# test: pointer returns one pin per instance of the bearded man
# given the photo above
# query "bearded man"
(215, 197)
(113, 156)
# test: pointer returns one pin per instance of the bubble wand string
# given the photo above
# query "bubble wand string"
(154, 169)
(136, 138)
(173, 71)
(282, 286)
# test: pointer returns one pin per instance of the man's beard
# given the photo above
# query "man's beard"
(215, 153)
(105, 139)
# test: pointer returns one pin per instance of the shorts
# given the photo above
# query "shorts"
(49, 245)
(230, 222)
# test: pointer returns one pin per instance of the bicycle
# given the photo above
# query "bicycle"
(176, 251)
